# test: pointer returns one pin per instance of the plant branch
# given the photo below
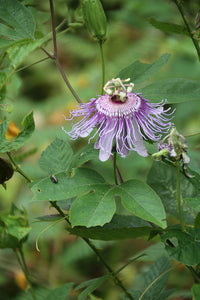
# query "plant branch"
(21, 260)
(55, 55)
(98, 254)
(17, 168)
(195, 42)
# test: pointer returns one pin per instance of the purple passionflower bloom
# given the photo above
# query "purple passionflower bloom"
(123, 119)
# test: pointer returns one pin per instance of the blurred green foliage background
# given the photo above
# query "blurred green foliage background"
(39, 87)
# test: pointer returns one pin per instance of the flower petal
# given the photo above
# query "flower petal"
(105, 143)
(139, 143)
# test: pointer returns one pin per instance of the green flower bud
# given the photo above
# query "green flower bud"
(159, 155)
(95, 18)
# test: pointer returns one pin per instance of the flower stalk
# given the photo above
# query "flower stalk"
(195, 42)
(179, 195)
(114, 167)
(102, 65)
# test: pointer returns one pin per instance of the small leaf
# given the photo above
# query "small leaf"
(120, 227)
(69, 185)
(17, 226)
(85, 154)
(139, 72)
(175, 90)
(169, 27)
(93, 208)
(13, 228)
(17, 22)
(23, 136)
(187, 245)
(142, 201)
(56, 157)
(92, 285)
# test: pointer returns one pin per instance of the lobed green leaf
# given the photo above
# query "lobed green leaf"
(70, 184)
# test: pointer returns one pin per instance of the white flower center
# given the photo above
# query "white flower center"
(110, 108)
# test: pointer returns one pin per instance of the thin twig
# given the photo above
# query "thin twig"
(55, 55)
(21, 260)
(117, 171)
(195, 42)
(17, 168)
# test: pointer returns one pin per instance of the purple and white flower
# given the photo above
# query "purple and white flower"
(122, 119)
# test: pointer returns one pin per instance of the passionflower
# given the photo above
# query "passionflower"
(122, 119)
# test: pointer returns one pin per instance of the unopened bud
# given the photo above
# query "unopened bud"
(95, 18)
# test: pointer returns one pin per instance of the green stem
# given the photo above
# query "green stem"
(17, 168)
(195, 42)
(98, 254)
(179, 195)
(114, 166)
(21, 260)
(102, 64)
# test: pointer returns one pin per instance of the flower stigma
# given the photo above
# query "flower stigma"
(116, 88)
